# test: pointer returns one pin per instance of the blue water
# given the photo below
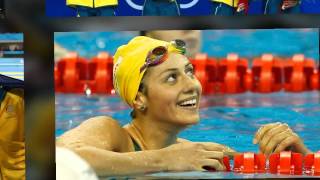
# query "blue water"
(216, 43)
(252, 43)
(11, 36)
(12, 67)
(227, 119)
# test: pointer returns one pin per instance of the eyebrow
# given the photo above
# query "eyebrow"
(175, 69)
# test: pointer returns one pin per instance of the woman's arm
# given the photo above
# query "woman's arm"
(106, 147)
(108, 163)
(177, 157)
(100, 141)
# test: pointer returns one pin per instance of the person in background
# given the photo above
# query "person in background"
(93, 7)
(282, 6)
(191, 37)
(230, 7)
(1, 8)
(12, 139)
(161, 8)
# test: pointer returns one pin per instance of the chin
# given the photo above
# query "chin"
(189, 120)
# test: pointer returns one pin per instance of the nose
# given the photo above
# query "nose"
(191, 85)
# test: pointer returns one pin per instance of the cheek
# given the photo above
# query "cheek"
(162, 97)
(198, 84)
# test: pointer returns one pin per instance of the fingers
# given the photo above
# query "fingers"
(212, 163)
(214, 146)
(289, 3)
(217, 147)
(262, 130)
(213, 154)
(273, 134)
(269, 147)
(287, 142)
(276, 137)
(241, 7)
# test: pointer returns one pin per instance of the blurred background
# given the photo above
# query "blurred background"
(247, 43)
(11, 55)
(187, 7)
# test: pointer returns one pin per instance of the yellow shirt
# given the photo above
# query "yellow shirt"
(92, 3)
(233, 3)
(12, 145)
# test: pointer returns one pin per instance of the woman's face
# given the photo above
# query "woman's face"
(173, 91)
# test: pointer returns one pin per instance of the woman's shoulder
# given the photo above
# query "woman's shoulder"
(101, 131)
(100, 122)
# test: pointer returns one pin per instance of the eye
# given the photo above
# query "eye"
(172, 77)
(190, 71)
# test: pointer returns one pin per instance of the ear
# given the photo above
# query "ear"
(140, 103)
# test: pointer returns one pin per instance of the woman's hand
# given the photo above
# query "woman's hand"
(276, 137)
(289, 4)
(190, 156)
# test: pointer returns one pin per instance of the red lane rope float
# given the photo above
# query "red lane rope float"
(319, 76)
(266, 74)
(74, 74)
(205, 70)
(312, 164)
(249, 163)
(298, 72)
(100, 74)
(57, 79)
(231, 74)
(285, 162)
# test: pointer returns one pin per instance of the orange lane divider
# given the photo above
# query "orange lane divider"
(285, 162)
(100, 74)
(249, 163)
(300, 74)
(205, 70)
(74, 74)
(266, 74)
(312, 164)
(231, 74)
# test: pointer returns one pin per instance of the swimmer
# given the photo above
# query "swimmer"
(160, 8)
(2, 9)
(12, 139)
(229, 7)
(157, 81)
(282, 6)
(93, 8)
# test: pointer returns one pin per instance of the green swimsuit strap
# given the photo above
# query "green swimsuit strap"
(136, 145)
(2, 93)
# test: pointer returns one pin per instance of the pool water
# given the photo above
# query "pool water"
(12, 67)
(216, 43)
(227, 119)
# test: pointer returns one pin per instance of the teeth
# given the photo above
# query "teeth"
(189, 102)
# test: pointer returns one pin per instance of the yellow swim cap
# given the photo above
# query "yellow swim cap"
(127, 62)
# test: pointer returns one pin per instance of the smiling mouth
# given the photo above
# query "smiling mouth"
(189, 103)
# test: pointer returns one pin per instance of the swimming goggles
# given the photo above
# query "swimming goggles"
(159, 54)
